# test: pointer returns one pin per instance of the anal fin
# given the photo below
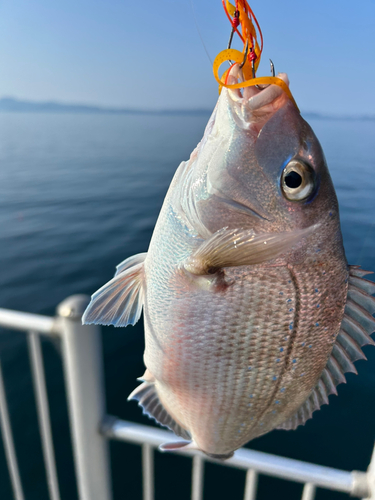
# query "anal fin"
(148, 398)
(356, 327)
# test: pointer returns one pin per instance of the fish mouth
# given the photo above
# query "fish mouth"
(251, 103)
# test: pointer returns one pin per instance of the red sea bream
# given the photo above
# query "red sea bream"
(251, 313)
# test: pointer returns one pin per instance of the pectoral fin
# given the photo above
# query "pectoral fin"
(241, 247)
(119, 302)
(130, 262)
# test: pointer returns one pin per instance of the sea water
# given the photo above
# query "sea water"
(81, 192)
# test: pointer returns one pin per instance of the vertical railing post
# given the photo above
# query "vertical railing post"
(371, 477)
(197, 480)
(10, 451)
(84, 378)
(40, 390)
(308, 492)
(251, 485)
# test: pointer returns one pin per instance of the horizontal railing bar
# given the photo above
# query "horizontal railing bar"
(17, 320)
(354, 482)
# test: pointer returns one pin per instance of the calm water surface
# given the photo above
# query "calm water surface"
(80, 193)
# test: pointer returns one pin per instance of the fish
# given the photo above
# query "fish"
(252, 315)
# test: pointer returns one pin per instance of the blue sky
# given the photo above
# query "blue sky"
(149, 55)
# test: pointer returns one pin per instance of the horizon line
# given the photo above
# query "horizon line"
(14, 104)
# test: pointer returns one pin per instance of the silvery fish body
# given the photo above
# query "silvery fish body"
(251, 312)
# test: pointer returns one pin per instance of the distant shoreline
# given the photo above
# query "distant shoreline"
(13, 105)
(10, 104)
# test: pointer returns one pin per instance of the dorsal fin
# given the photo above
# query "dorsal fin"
(119, 302)
(356, 326)
(148, 398)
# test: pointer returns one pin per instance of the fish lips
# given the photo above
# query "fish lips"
(252, 107)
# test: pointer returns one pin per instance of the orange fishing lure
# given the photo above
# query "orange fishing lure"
(245, 25)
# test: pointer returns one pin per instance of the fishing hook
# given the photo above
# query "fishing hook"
(272, 73)
(272, 68)
(253, 70)
(235, 23)
(252, 63)
(245, 56)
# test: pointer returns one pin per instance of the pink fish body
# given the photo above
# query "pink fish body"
(252, 315)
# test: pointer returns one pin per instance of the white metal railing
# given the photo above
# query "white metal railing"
(40, 390)
(91, 427)
(256, 462)
(10, 452)
(83, 370)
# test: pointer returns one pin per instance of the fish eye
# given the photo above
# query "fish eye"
(297, 180)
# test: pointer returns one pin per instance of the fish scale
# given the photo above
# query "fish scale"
(319, 313)
(253, 311)
(252, 315)
(257, 294)
(253, 296)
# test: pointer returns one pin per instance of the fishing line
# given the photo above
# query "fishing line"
(199, 32)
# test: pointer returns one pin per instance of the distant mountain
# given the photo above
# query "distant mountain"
(310, 115)
(10, 104)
